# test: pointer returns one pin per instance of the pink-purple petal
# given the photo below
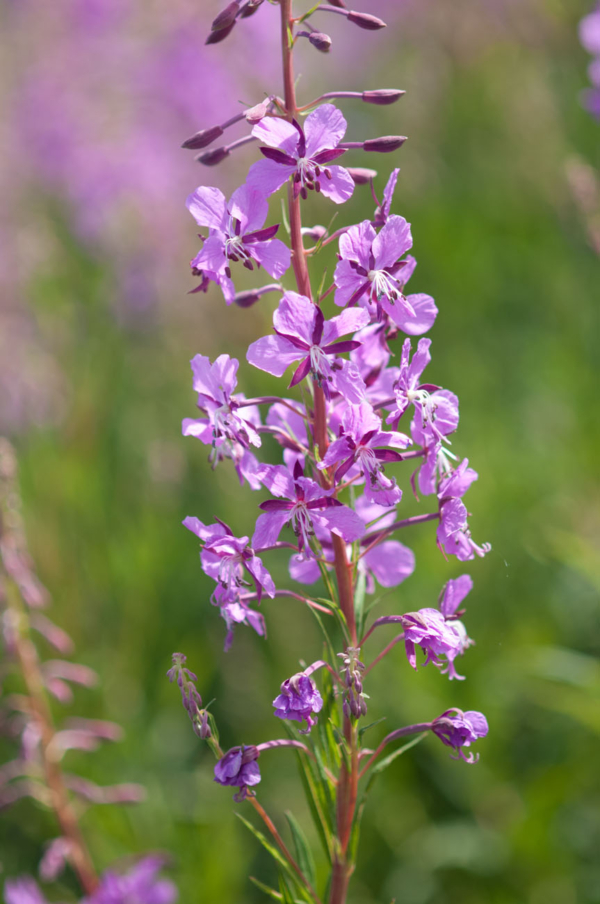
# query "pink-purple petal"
(208, 207)
(393, 241)
(274, 256)
(391, 562)
(324, 128)
(268, 527)
(339, 186)
(267, 177)
(273, 354)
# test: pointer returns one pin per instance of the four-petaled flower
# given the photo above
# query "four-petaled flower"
(361, 442)
(225, 557)
(302, 334)
(229, 426)
(235, 234)
(371, 273)
(304, 153)
(308, 505)
(453, 534)
(460, 729)
(409, 391)
(238, 768)
(299, 699)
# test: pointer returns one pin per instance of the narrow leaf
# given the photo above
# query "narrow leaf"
(272, 850)
(304, 855)
(265, 888)
(361, 731)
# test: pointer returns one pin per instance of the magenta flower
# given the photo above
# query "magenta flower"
(228, 428)
(140, 885)
(383, 210)
(225, 558)
(454, 593)
(589, 32)
(23, 890)
(235, 234)
(370, 272)
(289, 430)
(303, 154)
(308, 506)
(302, 334)
(299, 699)
(429, 630)
(410, 391)
(429, 429)
(453, 534)
(460, 730)
(238, 769)
(456, 484)
(235, 610)
(389, 563)
(363, 442)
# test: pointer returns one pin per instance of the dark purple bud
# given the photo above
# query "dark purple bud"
(215, 37)
(364, 20)
(361, 176)
(211, 158)
(384, 145)
(250, 8)
(226, 18)
(383, 96)
(202, 139)
(320, 40)
(251, 296)
(339, 3)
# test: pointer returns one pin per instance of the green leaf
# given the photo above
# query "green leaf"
(265, 888)
(304, 856)
(316, 804)
(383, 764)
(272, 850)
(361, 731)
(309, 13)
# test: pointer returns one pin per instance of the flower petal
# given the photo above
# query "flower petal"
(277, 133)
(393, 241)
(268, 527)
(250, 207)
(273, 255)
(339, 186)
(208, 207)
(273, 354)
(324, 128)
(266, 176)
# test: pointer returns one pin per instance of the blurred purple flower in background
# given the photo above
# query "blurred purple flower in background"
(589, 35)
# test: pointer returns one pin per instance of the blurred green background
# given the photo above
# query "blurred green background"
(101, 381)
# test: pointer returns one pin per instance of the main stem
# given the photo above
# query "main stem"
(348, 780)
(60, 798)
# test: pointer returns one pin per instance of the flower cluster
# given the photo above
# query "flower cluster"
(589, 35)
(351, 416)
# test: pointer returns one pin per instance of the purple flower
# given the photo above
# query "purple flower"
(225, 557)
(361, 442)
(383, 210)
(460, 730)
(370, 271)
(299, 699)
(235, 234)
(235, 610)
(589, 32)
(456, 484)
(302, 334)
(140, 885)
(453, 534)
(410, 391)
(24, 890)
(429, 629)
(228, 428)
(238, 769)
(373, 354)
(429, 429)
(290, 430)
(308, 506)
(454, 593)
(389, 563)
(304, 154)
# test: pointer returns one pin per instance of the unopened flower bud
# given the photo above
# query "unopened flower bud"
(211, 158)
(226, 17)
(382, 96)
(250, 8)
(202, 139)
(246, 299)
(215, 37)
(384, 145)
(339, 3)
(361, 175)
(364, 20)
(321, 41)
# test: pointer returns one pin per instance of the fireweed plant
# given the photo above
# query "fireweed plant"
(38, 771)
(354, 411)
